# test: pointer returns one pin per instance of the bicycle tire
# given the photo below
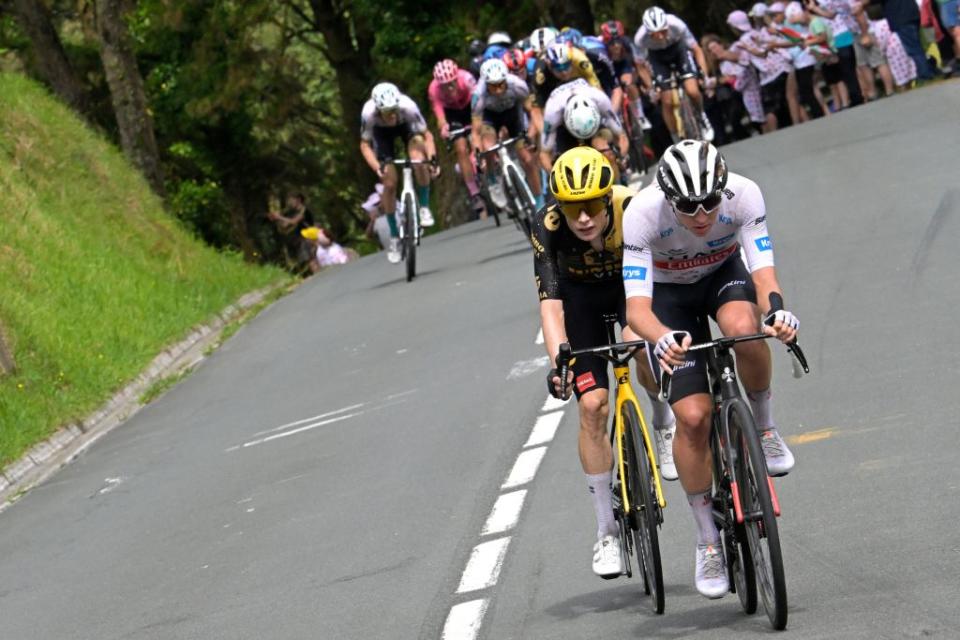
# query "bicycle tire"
(643, 504)
(525, 202)
(736, 548)
(638, 161)
(691, 121)
(762, 530)
(409, 237)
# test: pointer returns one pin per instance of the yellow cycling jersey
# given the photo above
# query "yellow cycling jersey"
(559, 255)
(545, 82)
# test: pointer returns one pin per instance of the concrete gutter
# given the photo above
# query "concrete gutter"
(47, 457)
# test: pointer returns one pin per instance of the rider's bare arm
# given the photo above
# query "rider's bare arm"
(366, 150)
(765, 280)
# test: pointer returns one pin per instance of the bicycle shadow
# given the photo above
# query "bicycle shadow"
(626, 597)
(402, 280)
(507, 254)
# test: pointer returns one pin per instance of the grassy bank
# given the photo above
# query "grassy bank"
(95, 279)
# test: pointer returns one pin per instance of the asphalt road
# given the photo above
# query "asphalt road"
(328, 472)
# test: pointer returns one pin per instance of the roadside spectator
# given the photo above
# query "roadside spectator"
(776, 20)
(902, 66)
(325, 251)
(903, 16)
(948, 12)
(729, 108)
(290, 222)
(747, 78)
(772, 67)
(378, 227)
(871, 58)
(841, 76)
(811, 50)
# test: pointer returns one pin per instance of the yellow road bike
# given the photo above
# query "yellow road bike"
(637, 492)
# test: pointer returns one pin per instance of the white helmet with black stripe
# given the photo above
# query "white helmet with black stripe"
(691, 171)
(655, 19)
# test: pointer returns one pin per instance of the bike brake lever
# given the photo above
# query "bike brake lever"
(563, 360)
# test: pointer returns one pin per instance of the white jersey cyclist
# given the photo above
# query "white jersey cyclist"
(677, 31)
(516, 93)
(657, 249)
(554, 110)
(408, 113)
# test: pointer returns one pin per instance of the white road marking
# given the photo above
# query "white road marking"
(539, 339)
(463, 621)
(308, 427)
(305, 420)
(523, 368)
(544, 429)
(552, 404)
(525, 467)
(112, 483)
(505, 513)
(483, 567)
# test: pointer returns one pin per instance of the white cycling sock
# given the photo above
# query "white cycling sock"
(760, 404)
(662, 413)
(702, 506)
(599, 486)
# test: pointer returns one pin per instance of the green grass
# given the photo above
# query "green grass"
(95, 279)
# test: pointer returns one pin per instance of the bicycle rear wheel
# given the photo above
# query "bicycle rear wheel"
(760, 520)
(638, 161)
(643, 505)
(736, 548)
(410, 236)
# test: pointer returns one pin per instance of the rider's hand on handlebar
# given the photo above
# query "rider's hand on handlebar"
(445, 130)
(783, 325)
(553, 384)
(669, 351)
(381, 170)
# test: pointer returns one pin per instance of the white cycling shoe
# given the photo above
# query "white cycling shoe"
(607, 559)
(664, 439)
(393, 251)
(644, 123)
(779, 458)
(707, 128)
(426, 217)
(711, 574)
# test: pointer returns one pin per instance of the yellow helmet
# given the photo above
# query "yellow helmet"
(582, 173)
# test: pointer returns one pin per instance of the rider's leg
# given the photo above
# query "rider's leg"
(633, 93)
(691, 452)
(532, 169)
(596, 456)
(462, 148)
(692, 87)
(388, 199)
(666, 105)
(418, 151)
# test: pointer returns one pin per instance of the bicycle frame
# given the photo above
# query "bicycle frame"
(406, 167)
(506, 161)
(675, 86)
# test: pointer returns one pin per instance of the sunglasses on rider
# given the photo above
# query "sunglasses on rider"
(562, 68)
(593, 207)
(691, 209)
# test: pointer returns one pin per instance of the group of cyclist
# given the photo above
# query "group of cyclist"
(664, 259)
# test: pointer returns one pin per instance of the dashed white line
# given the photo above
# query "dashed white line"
(552, 404)
(306, 420)
(525, 467)
(505, 513)
(308, 427)
(544, 429)
(483, 567)
(463, 622)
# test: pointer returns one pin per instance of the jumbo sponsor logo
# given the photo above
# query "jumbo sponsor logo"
(720, 241)
(696, 261)
(634, 273)
(764, 243)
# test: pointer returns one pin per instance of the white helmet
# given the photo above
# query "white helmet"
(581, 117)
(655, 19)
(692, 171)
(494, 71)
(499, 37)
(386, 96)
(542, 38)
(558, 54)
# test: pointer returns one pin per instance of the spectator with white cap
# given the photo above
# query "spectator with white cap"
(842, 77)
(772, 66)
(741, 54)
(812, 50)
(776, 16)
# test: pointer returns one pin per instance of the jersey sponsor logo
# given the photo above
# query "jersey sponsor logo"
(552, 220)
(634, 273)
(720, 241)
(764, 243)
(687, 364)
(696, 261)
(725, 219)
(666, 233)
(728, 193)
(585, 381)
(633, 247)
(759, 221)
(732, 283)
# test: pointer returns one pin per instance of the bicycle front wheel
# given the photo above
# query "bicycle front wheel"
(525, 203)
(760, 520)
(410, 236)
(643, 504)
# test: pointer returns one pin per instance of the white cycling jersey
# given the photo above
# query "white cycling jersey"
(408, 112)
(554, 109)
(677, 31)
(657, 248)
(517, 91)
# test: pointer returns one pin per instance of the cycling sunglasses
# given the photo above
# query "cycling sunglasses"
(593, 207)
(562, 68)
(689, 208)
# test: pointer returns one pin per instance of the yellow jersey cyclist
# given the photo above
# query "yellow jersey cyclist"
(683, 240)
(578, 250)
